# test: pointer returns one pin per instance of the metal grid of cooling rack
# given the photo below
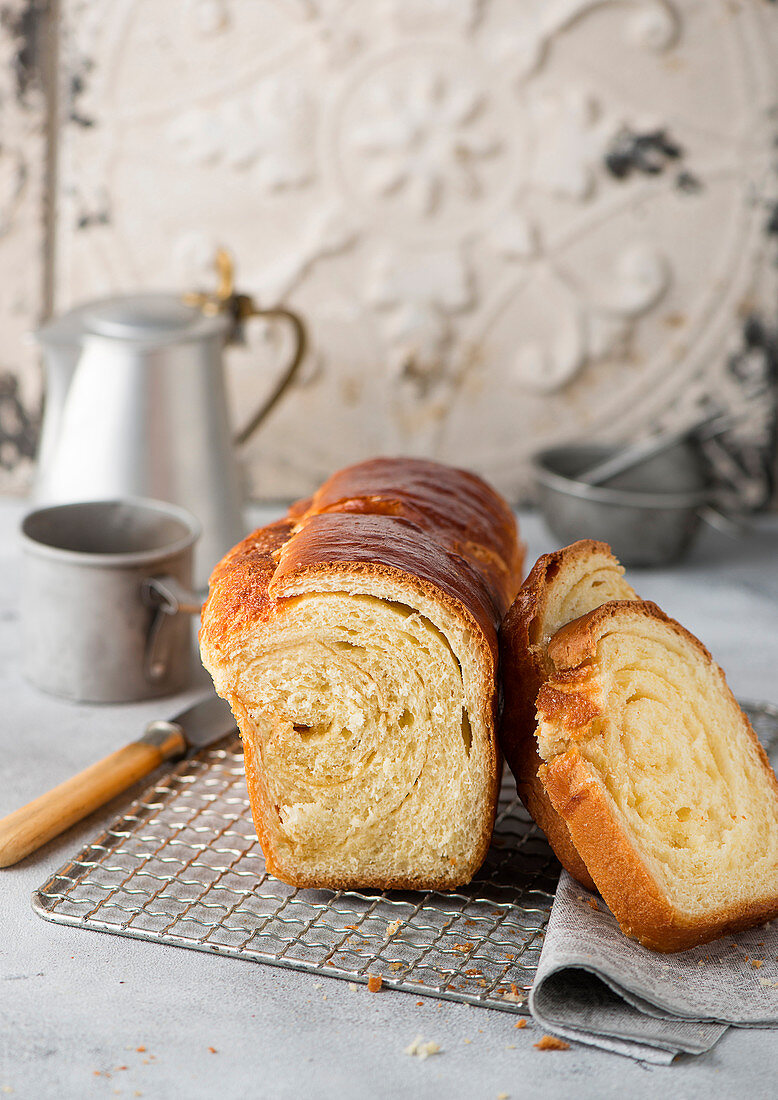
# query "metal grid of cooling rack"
(183, 867)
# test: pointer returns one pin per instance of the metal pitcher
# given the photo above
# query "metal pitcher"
(136, 406)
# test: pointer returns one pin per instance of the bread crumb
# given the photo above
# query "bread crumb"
(394, 928)
(396, 966)
(353, 986)
(503, 1096)
(212, 1050)
(510, 957)
(592, 903)
(141, 1050)
(767, 984)
(421, 1048)
(374, 982)
(510, 1046)
(756, 963)
(467, 1040)
(419, 1004)
(463, 947)
(521, 1023)
(353, 927)
(550, 1042)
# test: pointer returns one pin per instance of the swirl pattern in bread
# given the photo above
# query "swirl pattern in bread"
(668, 795)
(356, 641)
(561, 587)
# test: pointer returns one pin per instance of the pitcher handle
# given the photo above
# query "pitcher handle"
(287, 377)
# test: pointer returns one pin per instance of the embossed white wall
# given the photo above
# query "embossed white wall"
(24, 286)
(450, 191)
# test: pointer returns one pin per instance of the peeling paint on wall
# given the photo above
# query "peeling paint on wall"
(26, 24)
(24, 42)
(19, 427)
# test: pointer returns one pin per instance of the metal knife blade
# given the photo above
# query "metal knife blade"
(202, 724)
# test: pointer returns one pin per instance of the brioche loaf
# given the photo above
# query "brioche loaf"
(356, 641)
(561, 587)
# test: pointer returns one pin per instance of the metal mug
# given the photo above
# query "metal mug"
(106, 599)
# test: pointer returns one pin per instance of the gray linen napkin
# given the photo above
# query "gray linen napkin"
(595, 986)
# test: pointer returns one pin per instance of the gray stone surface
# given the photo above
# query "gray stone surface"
(75, 1005)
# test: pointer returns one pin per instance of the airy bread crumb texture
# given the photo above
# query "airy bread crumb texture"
(587, 580)
(643, 705)
(561, 587)
(373, 752)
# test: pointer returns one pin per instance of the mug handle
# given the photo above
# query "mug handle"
(287, 377)
(168, 597)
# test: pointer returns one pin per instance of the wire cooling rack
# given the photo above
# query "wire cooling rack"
(183, 867)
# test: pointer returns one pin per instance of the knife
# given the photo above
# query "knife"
(28, 828)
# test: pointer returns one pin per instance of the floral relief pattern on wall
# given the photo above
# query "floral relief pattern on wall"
(505, 224)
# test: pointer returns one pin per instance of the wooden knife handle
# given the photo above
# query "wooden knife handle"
(31, 826)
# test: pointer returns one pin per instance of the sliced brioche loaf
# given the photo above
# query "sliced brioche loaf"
(667, 794)
(561, 587)
(356, 641)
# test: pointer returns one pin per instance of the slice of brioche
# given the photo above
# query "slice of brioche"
(561, 587)
(668, 796)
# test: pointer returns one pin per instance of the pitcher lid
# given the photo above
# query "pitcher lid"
(150, 318)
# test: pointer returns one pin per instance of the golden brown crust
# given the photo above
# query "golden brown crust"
(461, 511)
(239, 587)
(577, 642)
(579, 798)
(387, 546)
(524, 670)
(622, 879)
(440, 531)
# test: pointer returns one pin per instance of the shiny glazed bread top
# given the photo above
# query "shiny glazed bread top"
(443, 525)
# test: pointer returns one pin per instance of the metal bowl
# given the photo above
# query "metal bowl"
(649, 515)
